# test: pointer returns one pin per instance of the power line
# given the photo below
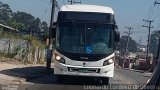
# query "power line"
(56, 4)
(158, 11)
(155, 14)
(148, 15)
(45, 11)
(150, 10)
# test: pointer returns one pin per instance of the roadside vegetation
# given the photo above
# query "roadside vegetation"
(32, 50)
(27, 42)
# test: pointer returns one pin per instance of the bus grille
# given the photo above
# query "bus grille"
(84, 70)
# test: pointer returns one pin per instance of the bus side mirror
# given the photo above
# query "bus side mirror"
(117, 36)
(116, 27)
(53, 31)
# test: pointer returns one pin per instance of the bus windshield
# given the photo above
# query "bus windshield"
(85, 38)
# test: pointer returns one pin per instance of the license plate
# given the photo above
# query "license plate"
(83, 70)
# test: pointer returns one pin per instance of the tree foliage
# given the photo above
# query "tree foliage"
(132, 46)
(31, 24)
(44, 26)
(5, 13)
(16, 25)
(23, 17)
(153, 47)
(33, 50)
(21, 20)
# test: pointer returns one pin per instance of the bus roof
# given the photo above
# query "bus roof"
(87, 8)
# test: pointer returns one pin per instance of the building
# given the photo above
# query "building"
(141, 62)
(8, 28)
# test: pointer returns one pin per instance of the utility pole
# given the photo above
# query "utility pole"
(74, 1)
(148, 41)
(49, 51)
(140, 40)
(128, 35)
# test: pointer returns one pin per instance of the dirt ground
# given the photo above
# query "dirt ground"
(14, 72)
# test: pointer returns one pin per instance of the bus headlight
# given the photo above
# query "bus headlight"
(59, 59)
(108, 62)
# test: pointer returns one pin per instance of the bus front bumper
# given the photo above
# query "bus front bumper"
(105, 71)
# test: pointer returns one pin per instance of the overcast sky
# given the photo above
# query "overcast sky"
(128, 13)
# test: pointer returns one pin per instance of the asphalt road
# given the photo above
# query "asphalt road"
(133, 76)
(49, 82)
(121, 76)
(130, 76)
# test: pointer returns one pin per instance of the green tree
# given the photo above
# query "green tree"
(132, 46)
(154, 42)
(16, 25)
(29, 21)
(25, 18)
(22, 21)
(5, 13)
(36, 25)
(44, 26)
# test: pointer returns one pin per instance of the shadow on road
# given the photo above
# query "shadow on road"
(69, 80)
(79, 80)
(40, 75)
(28, 73)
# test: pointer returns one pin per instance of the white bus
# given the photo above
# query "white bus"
(85, 42)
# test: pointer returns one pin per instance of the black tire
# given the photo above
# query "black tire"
(105, 80)
(60, 78)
